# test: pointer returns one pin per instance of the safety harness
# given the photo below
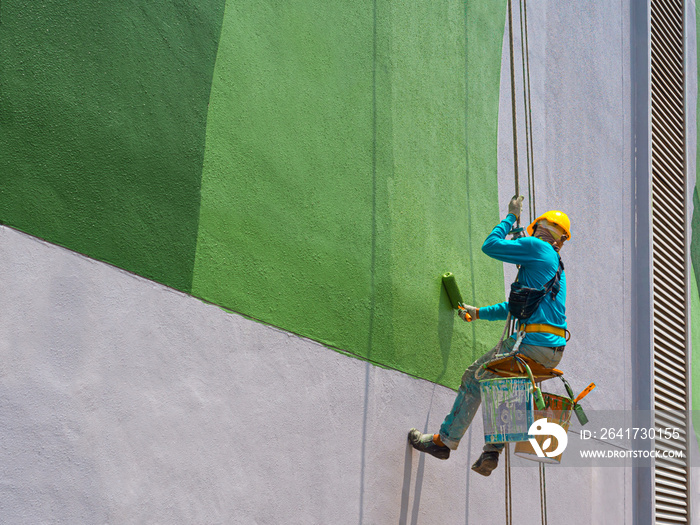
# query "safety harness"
(524, 301)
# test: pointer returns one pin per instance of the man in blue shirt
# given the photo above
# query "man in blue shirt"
(544, 340)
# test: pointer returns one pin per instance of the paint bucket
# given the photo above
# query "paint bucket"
(507, 409)
(557, 410)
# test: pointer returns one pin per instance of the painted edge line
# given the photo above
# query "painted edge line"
(347, 353)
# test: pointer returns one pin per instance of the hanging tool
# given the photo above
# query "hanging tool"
(585, 392)
(517, 233)
(578, 409)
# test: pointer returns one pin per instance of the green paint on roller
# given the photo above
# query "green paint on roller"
(450, 283)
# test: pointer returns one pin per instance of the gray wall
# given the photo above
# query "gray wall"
(125, 402)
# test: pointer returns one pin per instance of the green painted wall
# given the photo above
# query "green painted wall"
(695, 342)
(695, 278)
(350, 161)
(314, 165)
(103, 111)
(695, 312)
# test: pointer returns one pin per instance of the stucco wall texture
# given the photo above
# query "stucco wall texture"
(317, 167)
(124, 401)
(102, 127)
(337, 188)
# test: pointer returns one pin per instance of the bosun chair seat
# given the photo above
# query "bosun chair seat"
(511, 367)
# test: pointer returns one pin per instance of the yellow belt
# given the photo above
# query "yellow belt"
(546, 328)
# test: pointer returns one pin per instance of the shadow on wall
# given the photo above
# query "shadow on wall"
(446, 321)
(406, 488)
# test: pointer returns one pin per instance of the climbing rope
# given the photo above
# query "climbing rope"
(543, 495)
(509, 322)
(512, 97)
(508, 498)
(527, 102)
(510, 325)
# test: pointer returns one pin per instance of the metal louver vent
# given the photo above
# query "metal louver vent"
(669, 260)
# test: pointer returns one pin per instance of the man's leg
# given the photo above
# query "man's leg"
(544, 355)
(468, 399)
(457, 421)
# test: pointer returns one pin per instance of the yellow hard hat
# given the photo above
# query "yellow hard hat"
(556, 217)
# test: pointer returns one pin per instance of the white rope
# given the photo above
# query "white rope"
(527, 101)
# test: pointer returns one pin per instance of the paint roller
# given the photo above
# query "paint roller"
(450, 283)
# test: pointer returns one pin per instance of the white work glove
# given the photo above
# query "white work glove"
(467, 312)
(515, 206)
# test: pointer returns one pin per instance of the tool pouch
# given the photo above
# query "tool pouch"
(523, 301)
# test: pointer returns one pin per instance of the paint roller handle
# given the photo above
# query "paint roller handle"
(466, 312)
(585, 392)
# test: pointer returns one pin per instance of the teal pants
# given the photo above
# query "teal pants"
(469, 394)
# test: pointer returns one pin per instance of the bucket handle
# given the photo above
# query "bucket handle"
(536, 392)
(569, 390)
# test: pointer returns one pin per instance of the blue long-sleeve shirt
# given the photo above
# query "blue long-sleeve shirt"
(538, 262)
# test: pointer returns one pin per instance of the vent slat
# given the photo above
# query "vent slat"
(669, 385)
(673, 167)
(670, 342)
(671, 142)
(677, 138)
(669, 222)
(663, 54)
(661, 192)
(674, 419)
(665, 11)
(670, 319)
(674, 375)
(669, 259)
(664, 280)
(666, 99)
(670, 306)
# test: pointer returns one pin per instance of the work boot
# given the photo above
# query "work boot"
(425, 443)
(486, 463)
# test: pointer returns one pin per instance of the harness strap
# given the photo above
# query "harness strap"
(518, 340)
(543, 328)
